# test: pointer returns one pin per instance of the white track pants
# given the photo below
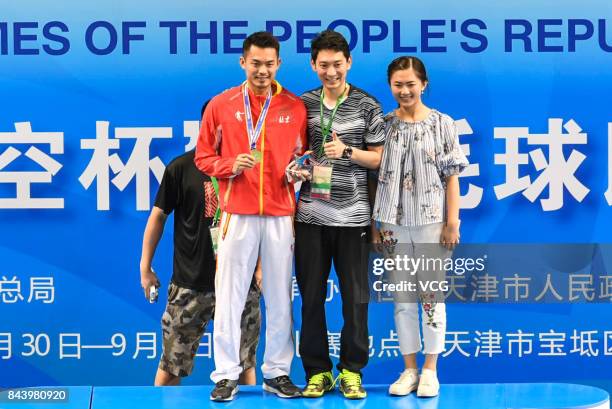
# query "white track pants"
(242, 238)
(416, 240)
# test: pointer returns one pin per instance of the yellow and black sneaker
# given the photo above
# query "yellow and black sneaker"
(319, 384)
(350, 385)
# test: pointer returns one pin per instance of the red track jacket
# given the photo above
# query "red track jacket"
(263, 190)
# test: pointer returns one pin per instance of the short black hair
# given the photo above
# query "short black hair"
(261, 39)
(329, 40)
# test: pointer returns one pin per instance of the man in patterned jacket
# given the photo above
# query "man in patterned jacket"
(345, 134)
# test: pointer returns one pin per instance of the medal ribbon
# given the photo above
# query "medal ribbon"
(254, 133)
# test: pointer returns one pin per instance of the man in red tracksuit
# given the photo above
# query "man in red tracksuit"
(249, 134)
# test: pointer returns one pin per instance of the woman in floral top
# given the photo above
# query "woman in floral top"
(417, 205)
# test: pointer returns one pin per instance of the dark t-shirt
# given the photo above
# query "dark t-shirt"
(190, 194)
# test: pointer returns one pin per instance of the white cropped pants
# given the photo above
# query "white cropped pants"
(416, 241)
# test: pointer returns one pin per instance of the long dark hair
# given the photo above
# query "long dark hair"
(405, 63)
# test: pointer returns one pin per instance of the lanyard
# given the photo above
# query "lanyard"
(325, 129)
(218, 211)
(254, 133)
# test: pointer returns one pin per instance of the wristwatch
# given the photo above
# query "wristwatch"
(347, 152)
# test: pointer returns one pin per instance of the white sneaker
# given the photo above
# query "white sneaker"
(428, 384)
(407, 382)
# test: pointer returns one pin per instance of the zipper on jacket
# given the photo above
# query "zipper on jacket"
(261, 170)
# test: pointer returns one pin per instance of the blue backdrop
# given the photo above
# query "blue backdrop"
(98, 96)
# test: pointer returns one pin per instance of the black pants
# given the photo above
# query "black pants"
(315, 248)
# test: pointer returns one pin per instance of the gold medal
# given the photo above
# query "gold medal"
(257, 155)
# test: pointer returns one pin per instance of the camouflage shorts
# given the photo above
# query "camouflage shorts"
(185, 319)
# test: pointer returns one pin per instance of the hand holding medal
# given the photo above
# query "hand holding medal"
(242, 162)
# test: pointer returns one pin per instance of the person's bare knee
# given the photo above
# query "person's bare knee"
(163, 378)
(247, 377)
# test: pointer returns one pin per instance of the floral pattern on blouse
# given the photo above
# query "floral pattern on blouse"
(417, 159)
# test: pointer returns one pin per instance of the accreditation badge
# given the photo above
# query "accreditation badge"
(214, 235)
(320, 186)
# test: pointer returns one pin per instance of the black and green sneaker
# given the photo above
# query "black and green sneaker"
(350, 385)
(319, 384)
